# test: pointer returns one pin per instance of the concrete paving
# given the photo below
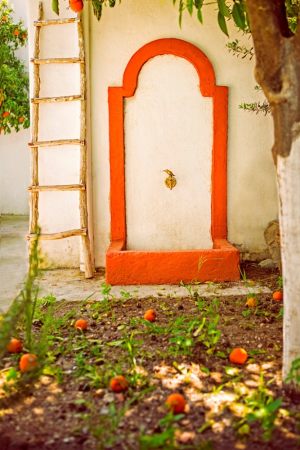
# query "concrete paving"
(70, 284)
(13, 257)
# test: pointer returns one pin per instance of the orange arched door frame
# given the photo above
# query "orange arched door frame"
(118, 258)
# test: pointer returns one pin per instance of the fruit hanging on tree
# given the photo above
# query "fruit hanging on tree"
(76, 5)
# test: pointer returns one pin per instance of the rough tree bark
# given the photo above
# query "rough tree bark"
(277, 52)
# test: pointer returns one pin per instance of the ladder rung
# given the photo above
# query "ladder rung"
(56, 143)
(59, 235)
(58, 187)
(42, 23)
(56, 60)
(65, 98)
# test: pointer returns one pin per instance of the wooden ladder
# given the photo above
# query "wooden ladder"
(35, 187)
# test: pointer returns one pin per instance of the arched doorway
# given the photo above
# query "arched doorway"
(168, 260)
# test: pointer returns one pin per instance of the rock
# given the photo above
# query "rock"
(272, 238)
(267, 264)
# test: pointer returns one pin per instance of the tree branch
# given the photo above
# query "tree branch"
(276, 67)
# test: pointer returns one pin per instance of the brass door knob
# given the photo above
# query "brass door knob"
(170, 181)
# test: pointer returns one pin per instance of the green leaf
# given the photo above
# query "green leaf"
(199, 15)
(239, 16)
(180, 12)
(97, 8)
(12, 374)
(190, 6)
(272, 407)
(55, 6)
(222, 23)
(223, 9)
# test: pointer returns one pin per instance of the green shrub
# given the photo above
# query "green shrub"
(14, 83)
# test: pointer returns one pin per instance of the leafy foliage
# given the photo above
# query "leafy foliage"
(14, 83)
(23, 306)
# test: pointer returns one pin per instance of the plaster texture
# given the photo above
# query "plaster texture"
(158, 137)
(13, 257)
(110, 43)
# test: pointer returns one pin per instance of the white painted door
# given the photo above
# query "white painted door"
(168, 125)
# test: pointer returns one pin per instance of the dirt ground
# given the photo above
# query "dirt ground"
(68, 404)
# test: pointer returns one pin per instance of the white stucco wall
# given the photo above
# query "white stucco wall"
(14, 152)
(252, 201)
(157, 137)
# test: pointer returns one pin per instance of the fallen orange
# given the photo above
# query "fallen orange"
(150, 315)
(14, 346)
(278, 296)
(176, 403)
(81, 324)
(238, 356)
(118, 384)
(28, 362)
(251, 302)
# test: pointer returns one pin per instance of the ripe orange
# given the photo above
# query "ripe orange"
(150, 315)
(251, 302)
(238, 356)
(28, 362)
(21, 119)
(76, 5)
(176, 403)
(5, 114)
(118, 384)
(16, 32)
(14, 346)
(81, 324)
(278, 296)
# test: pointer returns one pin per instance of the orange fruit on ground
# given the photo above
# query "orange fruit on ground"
(238, 356)
(118, 384)
(5, 114)
(14, 346)
(28, 362)
(76, 5)
(150, 315)
(251, 302)
(81, 324)
(277, 296)
(176, 403)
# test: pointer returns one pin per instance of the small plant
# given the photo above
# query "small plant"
(166, 438)
(14, 83)
(294, 373)
(263, 408)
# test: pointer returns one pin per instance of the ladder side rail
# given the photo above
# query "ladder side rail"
(34, 195)
(86, 245)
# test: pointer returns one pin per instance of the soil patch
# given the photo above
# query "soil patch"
(68, 403)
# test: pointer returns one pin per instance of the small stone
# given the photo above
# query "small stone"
(267, 264)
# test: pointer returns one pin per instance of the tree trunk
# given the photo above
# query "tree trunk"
(277, 53)
(288, 173)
